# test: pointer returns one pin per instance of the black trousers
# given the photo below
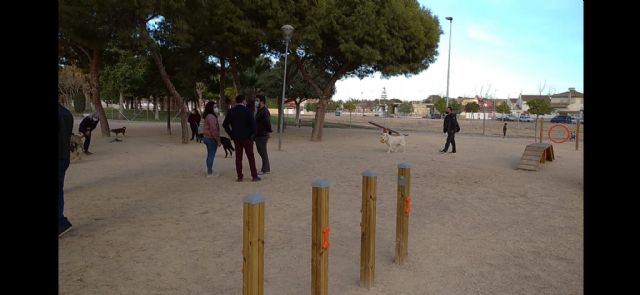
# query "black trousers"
(451, 139)
(194, 130)
(87, 140)
(261, 146)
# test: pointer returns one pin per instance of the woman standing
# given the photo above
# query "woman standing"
(194, 121)
(211, 134)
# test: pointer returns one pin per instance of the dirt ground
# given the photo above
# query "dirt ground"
(146, 220)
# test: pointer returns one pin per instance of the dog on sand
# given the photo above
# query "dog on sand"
(393, 142)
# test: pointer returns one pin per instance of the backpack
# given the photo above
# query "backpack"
(457, 128)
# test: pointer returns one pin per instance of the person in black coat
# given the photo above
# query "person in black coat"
(263, 128)
(86, 127)
(241, 126)
(65, 127)
(450, 128)
(194, 122)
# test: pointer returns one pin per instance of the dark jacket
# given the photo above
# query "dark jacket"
(194, 118)
(263, 122)
(239, 123)
(450, 123)
(87, 124)
(65, 127)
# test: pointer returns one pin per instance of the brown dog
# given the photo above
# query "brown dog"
(75, 146)
(119, 130)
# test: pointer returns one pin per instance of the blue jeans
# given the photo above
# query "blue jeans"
(63, 164)
(212, 147)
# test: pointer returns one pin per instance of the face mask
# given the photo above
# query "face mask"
(257, 103)
(447, 112)
(216, 110)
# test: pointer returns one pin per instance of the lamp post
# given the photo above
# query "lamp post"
(484, 116)
(287, 30)
(450, 19)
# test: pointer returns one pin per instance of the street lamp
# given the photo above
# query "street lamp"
(287, 30)
(450, 19)
(484, 116)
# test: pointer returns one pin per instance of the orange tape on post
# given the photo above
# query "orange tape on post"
(407, 205)
(325, 238)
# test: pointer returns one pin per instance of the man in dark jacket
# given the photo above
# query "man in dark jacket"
(241, 126)
(65, 127)
(450, 128)
(86, 126)
(194, 121)
(263, 128)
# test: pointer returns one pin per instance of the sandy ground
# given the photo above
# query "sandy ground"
(147, 221)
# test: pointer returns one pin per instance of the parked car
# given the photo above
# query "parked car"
(436, 116)
(562, 119)
(526, 118)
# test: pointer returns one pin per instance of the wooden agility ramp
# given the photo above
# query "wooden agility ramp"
(534, 154)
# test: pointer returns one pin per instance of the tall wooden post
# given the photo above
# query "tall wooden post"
(368, 229)
(403, 207)
(577, 133)
(541, 128)
(320, 238)
(253, 245)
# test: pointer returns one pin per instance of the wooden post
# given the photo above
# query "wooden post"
(541, 128)
(253, 245)
(368, 229)
(577, 133)
(402, 212)
(320, 238)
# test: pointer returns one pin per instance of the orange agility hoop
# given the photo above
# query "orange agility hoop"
(565, 128)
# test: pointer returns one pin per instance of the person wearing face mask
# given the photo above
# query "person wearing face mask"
(194, 122)
(450, 127)
(241, 127)
(86, 126)
(263, 128)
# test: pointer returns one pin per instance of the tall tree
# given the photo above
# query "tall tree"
(503, 108)
(472, 108)
(355, 38)
(86, 27)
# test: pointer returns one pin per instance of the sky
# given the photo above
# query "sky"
(504, 46)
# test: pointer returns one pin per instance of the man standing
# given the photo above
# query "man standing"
(86, 126)
(450, 127)
(504, 130)
(263, 128)
(65, 126)
(241, 127)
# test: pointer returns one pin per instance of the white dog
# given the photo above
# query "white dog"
(393, 142)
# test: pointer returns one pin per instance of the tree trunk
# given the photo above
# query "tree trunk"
(95, 91)
(224, 107)
(316, 133)
(298, 110)
(157, 58)
(234, 73)
(156, 107)
(169, 117)
(121, 104)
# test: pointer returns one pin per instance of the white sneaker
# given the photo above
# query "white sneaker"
(216, 174)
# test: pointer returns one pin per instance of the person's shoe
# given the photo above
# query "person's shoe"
(64, 227)
(239, 179)
(88, 153)
(442, 151)
(453, 152)
(213, 175)
(256, 179)
(263, 172)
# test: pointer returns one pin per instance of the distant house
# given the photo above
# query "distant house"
(569, 102)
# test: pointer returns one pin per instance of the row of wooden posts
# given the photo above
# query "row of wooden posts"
(253, 233)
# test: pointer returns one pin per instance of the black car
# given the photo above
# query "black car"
(436, 116)
(562, 119)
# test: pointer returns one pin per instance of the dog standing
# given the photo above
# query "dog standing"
(75, 146)
(393, 142)
(119, 130)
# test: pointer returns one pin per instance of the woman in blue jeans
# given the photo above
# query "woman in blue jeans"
(211, 135)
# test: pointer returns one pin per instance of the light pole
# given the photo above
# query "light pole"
(484, 116)
(450, 19)
(287, 30)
